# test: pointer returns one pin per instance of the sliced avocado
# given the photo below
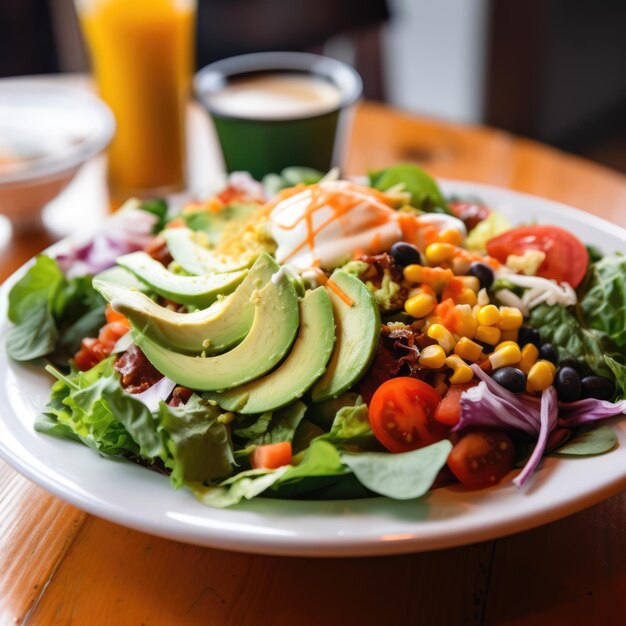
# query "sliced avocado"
(197, 259)
(275, 325)
(213, 223)
(201, 291)
(119, 276)
(358, 328)
(222, 325)
(303, 366)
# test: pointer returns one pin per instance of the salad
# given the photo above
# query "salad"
(312, 337)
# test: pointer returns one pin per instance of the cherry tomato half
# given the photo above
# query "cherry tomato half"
(566, 256)
(401, 415)
(482, 458)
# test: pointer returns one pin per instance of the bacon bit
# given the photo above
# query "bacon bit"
(137, 373)
(180, 395)
(469, 213)
(335, 287)
(158, 250)
(378, 264)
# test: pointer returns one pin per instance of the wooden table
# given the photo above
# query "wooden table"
(61, 566)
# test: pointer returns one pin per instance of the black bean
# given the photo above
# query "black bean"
(571, 362)
(404, 254)
(510, 378)
(529, 335)
(597, 387)
(487, 347)
(483, 272)
(568, 384)
(548, 352)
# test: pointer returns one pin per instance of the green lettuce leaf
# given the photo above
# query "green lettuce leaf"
(559, 326)
(604, 303)
(400, 476)
(79, 409)
(425, 193)
(351, 428)
(198, 446)
(494, 224)
(619, 372)
(283, 424)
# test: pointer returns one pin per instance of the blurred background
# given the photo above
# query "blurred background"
(552, 70)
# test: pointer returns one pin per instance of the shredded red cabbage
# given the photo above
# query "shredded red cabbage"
(127, 231)
(152, 396)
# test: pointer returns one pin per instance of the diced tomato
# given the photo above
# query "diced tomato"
(271, 455)
(566, 256)
(85, 359)
(453, 289)
(482, 458)
(401, 415)
(113, 316)
(449, 409)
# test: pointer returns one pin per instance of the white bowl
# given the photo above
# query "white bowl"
(49, 131)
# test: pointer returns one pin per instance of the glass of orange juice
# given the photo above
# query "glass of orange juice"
(142, 58)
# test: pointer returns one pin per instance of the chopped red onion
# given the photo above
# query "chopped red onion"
(127, 231)
(160, 391)
(548, 419)
(573, 414)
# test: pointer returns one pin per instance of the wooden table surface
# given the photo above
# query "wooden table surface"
(59, 565)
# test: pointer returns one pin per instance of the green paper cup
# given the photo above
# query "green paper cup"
(265, 144)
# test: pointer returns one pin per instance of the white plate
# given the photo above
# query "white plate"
(135, 497)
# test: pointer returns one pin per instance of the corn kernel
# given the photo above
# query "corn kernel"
(468, 350)
(437, 253)
(488, 315)
(451, 235)
(462, 372)
(442, 336)
(420, 305)
(465, 323)
(488, 334)
(540, 376)
(503, 357)
(503, 344)
(511, 318)
(509, 335)
(413, 273)
(433, 357)
(467, 296)
(471, 282)
(530, 354)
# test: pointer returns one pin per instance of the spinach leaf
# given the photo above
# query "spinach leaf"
(198, 446)
(158, 207)
(51, 314)
(619, 371)
(425, 193)
(560, 327)
(604, 303)
(30, 309)
(400, 476)
(589, 442)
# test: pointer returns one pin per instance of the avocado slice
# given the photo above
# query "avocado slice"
(358, 328)
(201, 291)
(221, 326)
(276, 320)
(120, 276)
(303, 366)
(197, 259)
